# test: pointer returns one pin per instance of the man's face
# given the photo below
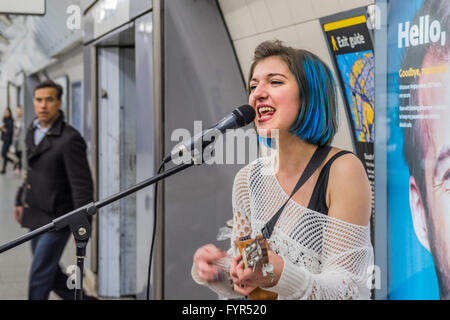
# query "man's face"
(46, 105)
(436, 135)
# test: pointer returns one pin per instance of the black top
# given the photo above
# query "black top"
(318, 198)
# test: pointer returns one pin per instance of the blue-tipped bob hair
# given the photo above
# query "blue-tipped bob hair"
(317, 119)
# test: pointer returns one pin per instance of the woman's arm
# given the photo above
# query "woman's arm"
(349, 195)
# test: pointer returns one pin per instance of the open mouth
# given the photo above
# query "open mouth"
(265, 112)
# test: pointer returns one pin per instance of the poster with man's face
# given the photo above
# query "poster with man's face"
(418, 157)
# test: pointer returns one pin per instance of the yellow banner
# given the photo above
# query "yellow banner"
(344, 23)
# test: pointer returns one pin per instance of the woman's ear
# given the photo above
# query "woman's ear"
(418, 214)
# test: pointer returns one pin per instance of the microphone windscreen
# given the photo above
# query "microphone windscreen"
(244, 115)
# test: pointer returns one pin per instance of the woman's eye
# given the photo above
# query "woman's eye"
(446, 181)
(252, 87)
(276, 82)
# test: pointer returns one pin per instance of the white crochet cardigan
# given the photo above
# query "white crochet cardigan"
(324, 257)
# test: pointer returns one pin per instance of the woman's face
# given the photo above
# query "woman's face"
(6, 113)
(274, 95)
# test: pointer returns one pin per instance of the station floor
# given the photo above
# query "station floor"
(15, 264)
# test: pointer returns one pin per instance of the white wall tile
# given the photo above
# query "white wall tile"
(288, 35)
(324, 8)
(301, 10)
(350, 4)
(313, 39)
(238, 19)
(244, 50)
(260, 14)
(343, 138)
(280, 13)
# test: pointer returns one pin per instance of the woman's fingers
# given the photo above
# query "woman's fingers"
(204, 259)
(233, 265)
(244, 279)
(209, 254)
(243, 289)
(209, 272)
(243, 273)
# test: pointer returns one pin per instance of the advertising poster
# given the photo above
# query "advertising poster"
(418, 149)
(352, 51)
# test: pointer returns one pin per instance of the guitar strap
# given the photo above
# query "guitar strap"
(316, 160)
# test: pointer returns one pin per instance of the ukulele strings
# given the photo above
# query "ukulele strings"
(224, 268)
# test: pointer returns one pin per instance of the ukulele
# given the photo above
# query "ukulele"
(254, 254)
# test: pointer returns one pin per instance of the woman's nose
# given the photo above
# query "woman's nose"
(259, 92)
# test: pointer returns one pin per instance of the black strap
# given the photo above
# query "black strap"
(318, 198)
(316, 160)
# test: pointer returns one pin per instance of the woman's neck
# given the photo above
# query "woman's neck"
(293, 154)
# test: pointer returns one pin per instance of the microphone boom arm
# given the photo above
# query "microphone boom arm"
(77, 221)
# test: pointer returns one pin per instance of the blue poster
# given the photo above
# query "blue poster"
(418, 158)
(357, 72)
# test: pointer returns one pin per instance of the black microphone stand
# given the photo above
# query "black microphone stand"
(77, 221)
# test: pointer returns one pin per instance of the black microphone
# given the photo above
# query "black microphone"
(239, 117)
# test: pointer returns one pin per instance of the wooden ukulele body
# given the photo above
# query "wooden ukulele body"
(258, 293)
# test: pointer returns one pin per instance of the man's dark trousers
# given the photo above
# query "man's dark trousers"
(46, 274)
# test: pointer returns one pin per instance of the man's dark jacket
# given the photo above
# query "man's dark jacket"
(58, 177)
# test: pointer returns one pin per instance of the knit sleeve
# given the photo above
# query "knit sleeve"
(241, 227)
(346, 257)
(241, 206)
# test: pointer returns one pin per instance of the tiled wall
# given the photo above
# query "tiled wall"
(296, 23)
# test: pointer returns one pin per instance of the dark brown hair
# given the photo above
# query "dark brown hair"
(50, 84)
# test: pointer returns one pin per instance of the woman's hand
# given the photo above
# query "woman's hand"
(204, 259)
(245, 280)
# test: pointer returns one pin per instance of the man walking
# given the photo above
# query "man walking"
(58, 180)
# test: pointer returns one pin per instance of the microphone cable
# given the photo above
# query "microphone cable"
(155, 205)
